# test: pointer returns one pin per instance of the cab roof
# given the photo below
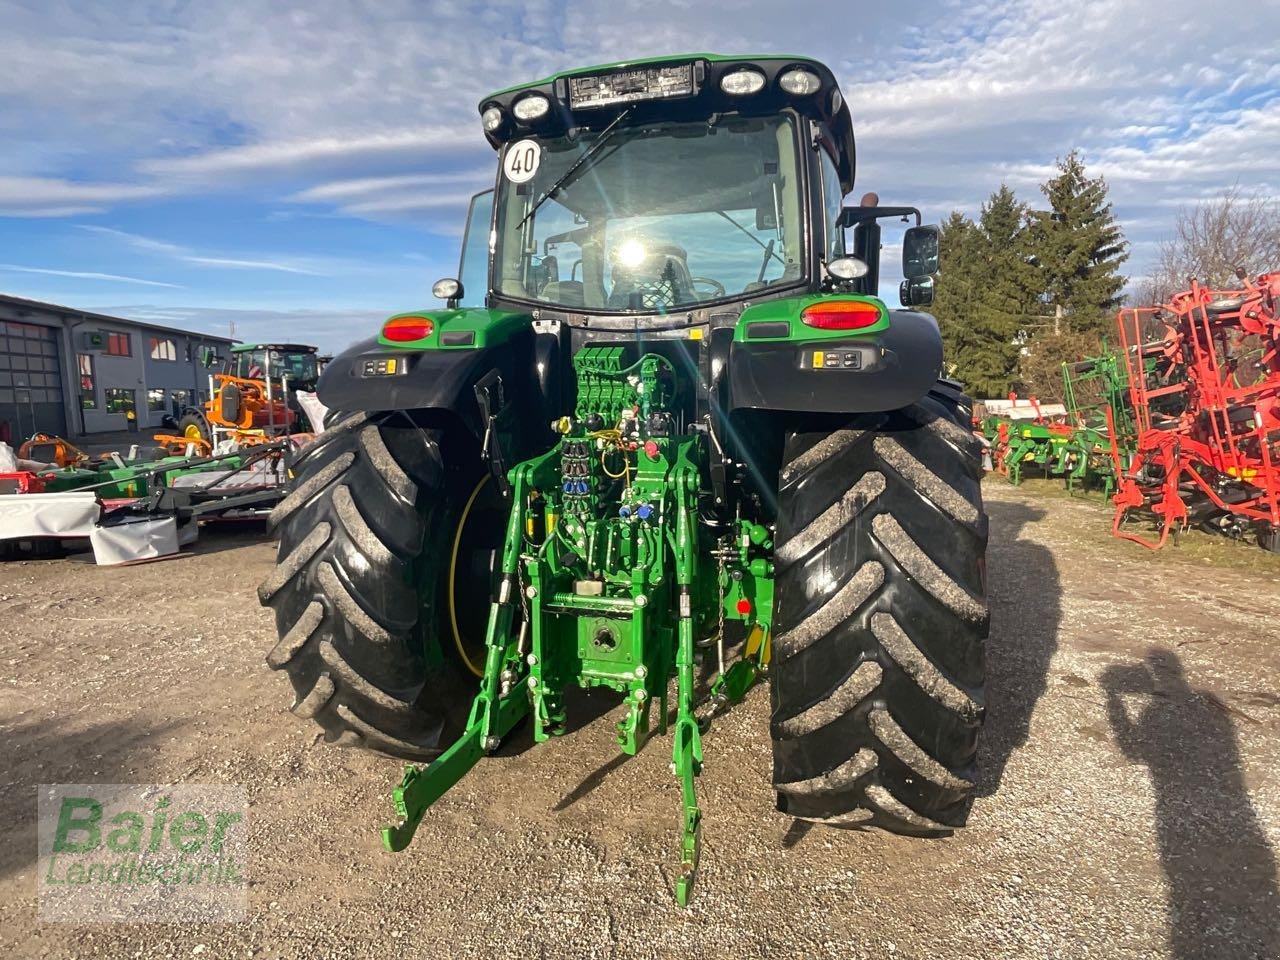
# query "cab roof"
(826, 105)
(282, 347)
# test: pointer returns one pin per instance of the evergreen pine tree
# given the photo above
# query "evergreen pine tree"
(1079, 248)
(985, 293)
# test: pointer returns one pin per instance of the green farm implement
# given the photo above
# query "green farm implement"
(663, 440)
(1096, 395)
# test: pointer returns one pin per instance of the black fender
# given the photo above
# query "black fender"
(881, 371)
(439, 379)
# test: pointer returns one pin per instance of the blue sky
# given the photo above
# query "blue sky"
(303, 171)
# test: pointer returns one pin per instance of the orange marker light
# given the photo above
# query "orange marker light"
(407, 329)
(840, 315)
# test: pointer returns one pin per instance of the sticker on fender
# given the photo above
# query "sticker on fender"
(522, 160)
(832, 360)
(389, 367)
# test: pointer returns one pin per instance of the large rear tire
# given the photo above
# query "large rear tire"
(371, 495)
(878, 674)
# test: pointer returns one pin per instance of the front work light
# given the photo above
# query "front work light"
(533, 107)
(407, 329)
(799, 82)
(491, 119)
(742, 83)
(840, 315)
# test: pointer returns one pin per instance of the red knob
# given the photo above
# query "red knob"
(744, 606)
(651, 449)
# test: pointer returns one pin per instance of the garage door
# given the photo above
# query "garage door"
(30, 382)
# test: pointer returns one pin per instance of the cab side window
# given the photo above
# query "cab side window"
(832, 202)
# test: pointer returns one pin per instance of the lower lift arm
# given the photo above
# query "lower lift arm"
(496, 709)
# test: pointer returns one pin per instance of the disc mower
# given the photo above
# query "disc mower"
(664, 440)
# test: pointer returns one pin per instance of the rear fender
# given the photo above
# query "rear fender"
(778, 363)
(434, 379)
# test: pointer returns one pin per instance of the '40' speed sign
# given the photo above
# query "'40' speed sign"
(522, 160)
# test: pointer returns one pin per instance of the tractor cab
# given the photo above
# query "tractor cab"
(294, 361)
(656, 187)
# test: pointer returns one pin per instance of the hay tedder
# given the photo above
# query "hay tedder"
(1095, 393)
(664, 440)
(1206, 403)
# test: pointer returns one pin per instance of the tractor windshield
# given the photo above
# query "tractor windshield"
(298, 367)
(655, 218)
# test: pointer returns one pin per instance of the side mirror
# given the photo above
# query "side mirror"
(920, 252)
(449, 290)
(916, 291)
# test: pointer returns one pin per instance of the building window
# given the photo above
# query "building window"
(88, 396)
(163, 349)
(155, 401)
(120, 401)
(118, 345)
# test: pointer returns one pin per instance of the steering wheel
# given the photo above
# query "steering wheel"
(717, 288)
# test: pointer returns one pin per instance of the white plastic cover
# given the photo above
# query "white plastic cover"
(135, 540)
(8, 459)
(313, 408)
(71, 514)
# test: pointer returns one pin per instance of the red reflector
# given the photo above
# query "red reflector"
(840, 315)
(744, 606)
(405, 329)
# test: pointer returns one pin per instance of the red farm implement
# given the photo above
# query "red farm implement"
(1206, 408)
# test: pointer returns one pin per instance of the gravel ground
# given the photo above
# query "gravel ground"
(1130, 786)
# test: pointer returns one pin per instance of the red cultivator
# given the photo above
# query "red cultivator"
(1207, 413)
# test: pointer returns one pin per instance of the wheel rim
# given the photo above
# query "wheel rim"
(472, 566)
(193, 432)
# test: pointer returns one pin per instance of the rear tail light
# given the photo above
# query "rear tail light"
(840, 315)
(407, 329)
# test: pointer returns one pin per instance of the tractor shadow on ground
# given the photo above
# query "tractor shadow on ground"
(1221, 871)
(46, 752)
(1024, 589)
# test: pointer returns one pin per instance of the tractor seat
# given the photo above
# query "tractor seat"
(659, 281)
(566, 293)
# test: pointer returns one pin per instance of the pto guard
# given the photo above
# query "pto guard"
(855, 374)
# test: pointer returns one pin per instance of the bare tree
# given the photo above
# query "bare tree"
(1213, 238)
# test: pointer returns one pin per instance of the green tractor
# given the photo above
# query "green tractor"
(664, 440)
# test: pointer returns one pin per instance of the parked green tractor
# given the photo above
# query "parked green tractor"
(663, 440)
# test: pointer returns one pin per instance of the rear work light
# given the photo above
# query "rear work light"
(840, 315)
(407, 329)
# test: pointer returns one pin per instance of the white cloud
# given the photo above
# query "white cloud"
(291, 156)
(54, 197)
(84, 275)
(346, 190)
(185, 255)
